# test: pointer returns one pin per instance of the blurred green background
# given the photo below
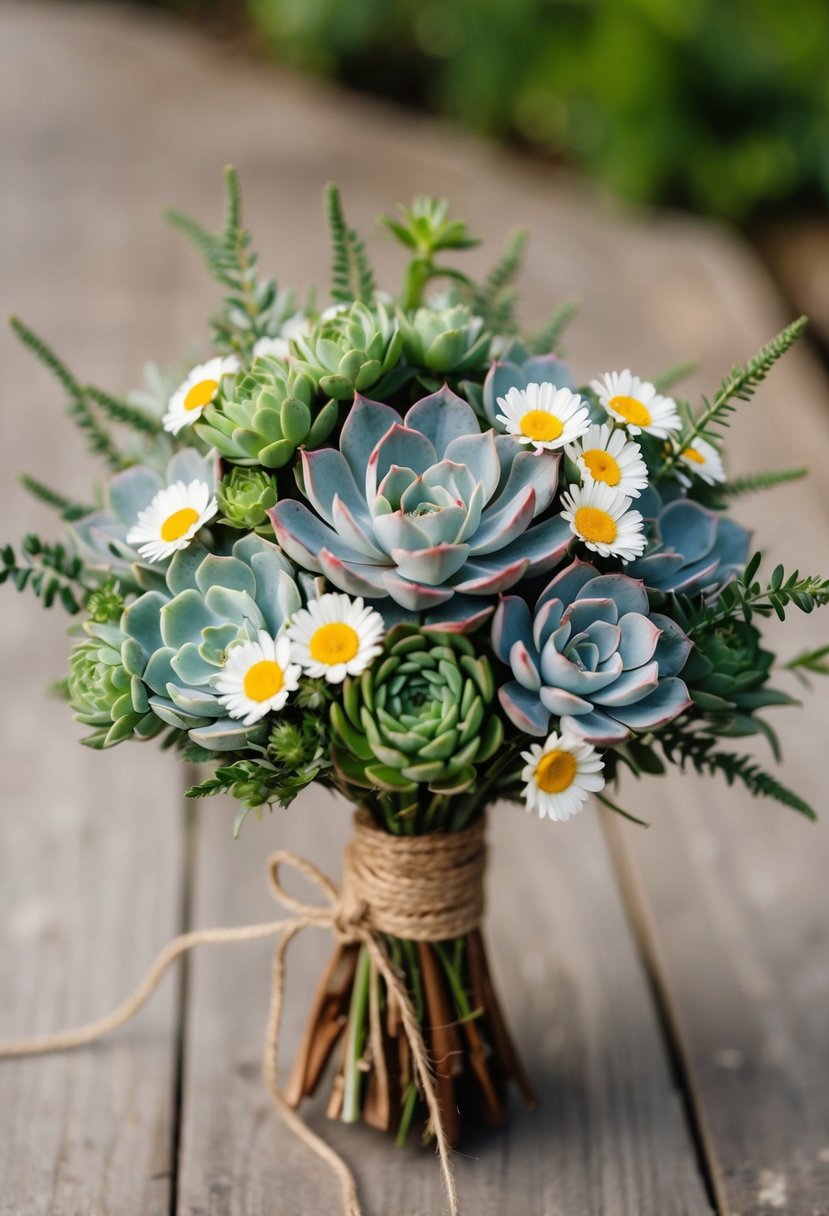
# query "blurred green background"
(718, 106)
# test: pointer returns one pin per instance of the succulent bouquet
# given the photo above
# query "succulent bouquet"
(393, 548)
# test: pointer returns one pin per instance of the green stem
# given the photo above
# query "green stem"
(355, 1042)
(417, 275)
(406, 1118)
(453, 968)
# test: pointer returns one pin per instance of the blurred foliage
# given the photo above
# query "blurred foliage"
(717, 105)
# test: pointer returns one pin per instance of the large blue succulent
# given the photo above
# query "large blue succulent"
(592, 655)
(176, 639)
(691, 548)
(423, 509)
(101, 536)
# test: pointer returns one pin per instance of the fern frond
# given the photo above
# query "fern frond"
(740, 385)
(351, 275)
(685, 747)
(752, 483)
(124, 411)
(546, 339)
(494, 299)
(67, 507)
(98, 438)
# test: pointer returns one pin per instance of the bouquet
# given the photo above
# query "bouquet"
(392, 547)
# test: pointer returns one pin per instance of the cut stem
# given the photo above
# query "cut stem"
(356, 1038)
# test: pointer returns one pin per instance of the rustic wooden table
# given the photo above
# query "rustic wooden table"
(670, 987)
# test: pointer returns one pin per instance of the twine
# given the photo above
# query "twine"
(420, 888)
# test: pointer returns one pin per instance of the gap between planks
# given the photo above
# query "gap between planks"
(643, 929)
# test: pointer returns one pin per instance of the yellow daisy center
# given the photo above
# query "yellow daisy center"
(596, 525)
(334, 643)
(555, 772)
(602, 466)
(176, 525)
(263, 680)
(201, 394)
(693, 454)
(631, 410)
(539, 425)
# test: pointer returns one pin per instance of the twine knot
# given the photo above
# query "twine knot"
(418, 888)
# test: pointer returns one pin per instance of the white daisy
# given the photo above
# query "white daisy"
(705, 461)
(637, 404)
(561, 776)
(600, 516)
(198, 390)
(543, 415)
(172, 519)
(297, 326)
(608, 455)
(335, 637)
(257, 677)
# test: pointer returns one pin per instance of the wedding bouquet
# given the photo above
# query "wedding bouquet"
(390, 546)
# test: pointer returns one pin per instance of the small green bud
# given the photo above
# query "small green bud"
(245, 497)
(105, 604)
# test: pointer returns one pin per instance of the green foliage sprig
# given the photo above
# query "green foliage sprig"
(809, 662)
(687, 745)
(68, 508)
(81, 410)
(495, 298)
(351, 275)
(130, 415)
(739, 385)
(753, 483)
(426, 229)
(548, 337)
(746, 597)
(48, 570)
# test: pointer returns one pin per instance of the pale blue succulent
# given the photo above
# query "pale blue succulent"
(101, 537)
(592, 655)
(516, 368)
(423, 509)
(176, 639)
(691, 549)
(445, 340)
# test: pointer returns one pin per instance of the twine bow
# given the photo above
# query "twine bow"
(358, 913)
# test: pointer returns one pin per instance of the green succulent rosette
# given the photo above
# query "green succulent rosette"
(423, 715)
(445, 340)
(245, 496)
(349, 352)
(103, 694)
(265, 414)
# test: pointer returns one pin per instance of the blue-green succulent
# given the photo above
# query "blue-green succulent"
(690, 549)
(424, 509)
(177, 639)
(101, 536)
(103, 694)
(593, 655)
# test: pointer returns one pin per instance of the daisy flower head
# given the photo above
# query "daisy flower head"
(172, 519)
(543, 415)
(257, 677)
(335, 636)
(607, 455)
(601, 517)
(561, 776)
(637, 404)
(191, 397)
(704, 459)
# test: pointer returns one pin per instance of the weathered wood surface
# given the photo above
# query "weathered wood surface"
(723, 899)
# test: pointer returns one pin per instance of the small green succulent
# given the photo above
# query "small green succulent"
(349, 352)
(445, 340)
(727, 675)
(245, 496)
(270, 410)
(103, 695)
(423, 713)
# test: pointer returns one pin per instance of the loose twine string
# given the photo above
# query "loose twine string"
(420, 888)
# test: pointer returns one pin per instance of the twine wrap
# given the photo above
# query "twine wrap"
(420, 888)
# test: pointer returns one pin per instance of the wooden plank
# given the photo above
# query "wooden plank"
(609, 1134)
(91, 858)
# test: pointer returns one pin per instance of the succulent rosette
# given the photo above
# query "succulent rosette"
(349, 352)
(593, 655)
(691, 548)
(103, 694)
(423, 509)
